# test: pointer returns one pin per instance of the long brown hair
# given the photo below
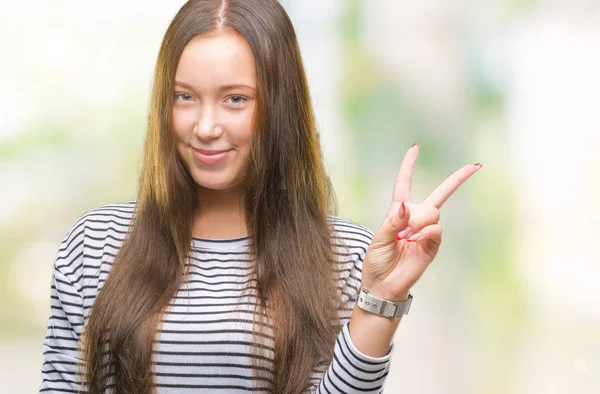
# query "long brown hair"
(287, 199)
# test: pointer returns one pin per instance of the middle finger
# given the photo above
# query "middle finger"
(405, 173)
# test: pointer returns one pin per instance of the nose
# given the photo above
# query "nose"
(208, 127)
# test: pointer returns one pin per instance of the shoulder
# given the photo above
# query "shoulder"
(349, 233)
(107, 224)
(116, 217)
(103, 217)
(100, 228)
(120, 213)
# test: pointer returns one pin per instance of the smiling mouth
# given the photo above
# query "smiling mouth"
(210, 152)
(210, 157)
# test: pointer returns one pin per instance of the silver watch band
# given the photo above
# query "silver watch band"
(382, 307)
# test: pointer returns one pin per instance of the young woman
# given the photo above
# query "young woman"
(230, 272)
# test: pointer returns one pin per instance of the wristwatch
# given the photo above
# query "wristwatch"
(382, 307)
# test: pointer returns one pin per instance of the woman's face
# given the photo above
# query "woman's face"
(213, 109)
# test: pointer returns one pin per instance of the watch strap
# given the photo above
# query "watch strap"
(382, 307)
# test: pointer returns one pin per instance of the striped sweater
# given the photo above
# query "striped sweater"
(204, 340)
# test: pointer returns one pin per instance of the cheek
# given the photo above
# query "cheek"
(181, 122)
(245, 133)
(241, 129)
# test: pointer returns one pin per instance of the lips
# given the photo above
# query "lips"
(210, 152)
(210, 156)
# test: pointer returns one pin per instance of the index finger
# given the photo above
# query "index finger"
(441, 193)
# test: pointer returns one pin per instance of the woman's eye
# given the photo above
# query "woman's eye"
(236, 99)
(182, 97)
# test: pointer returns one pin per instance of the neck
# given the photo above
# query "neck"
(221, 215)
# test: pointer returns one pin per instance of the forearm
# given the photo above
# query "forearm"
(373, 334)
(370, 333)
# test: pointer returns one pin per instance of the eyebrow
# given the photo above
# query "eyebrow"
(222, 88)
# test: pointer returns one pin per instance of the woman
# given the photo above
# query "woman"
(230, 271)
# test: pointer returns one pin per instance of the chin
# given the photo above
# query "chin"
(215, 184)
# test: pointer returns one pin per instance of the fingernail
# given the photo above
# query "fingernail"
(402, 234)
(414, 237)
(402, 211)
(478, 165)
(416, 144)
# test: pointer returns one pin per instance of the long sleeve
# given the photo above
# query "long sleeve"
(350, 370)
(61, 358)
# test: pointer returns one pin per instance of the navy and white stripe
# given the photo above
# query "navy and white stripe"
(204, 341)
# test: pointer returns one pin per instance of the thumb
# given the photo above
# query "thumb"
(397, 221)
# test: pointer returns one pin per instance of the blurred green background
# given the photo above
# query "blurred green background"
(511, 303)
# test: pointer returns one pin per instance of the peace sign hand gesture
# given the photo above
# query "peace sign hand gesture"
(410, 236)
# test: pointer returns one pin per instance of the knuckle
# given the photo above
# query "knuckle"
(433, 215)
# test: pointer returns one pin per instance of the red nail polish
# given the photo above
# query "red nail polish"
(416, 144)
(398, 238)
(403, 209)
(478, 165)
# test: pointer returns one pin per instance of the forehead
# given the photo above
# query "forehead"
(212, 60)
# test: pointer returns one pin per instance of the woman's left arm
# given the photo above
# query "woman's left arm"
(398, 253)
(401, 250)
